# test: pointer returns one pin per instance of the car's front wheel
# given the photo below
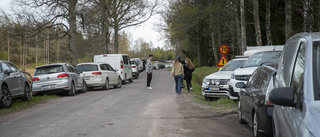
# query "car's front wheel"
(240, 119)
(26, 93)
(106, 85)
(84, 87)
(6, 99)
(119, 83)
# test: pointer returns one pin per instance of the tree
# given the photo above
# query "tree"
(257, 22)
(127, 13)
(288, 19)
(268, 23)
(243, 28)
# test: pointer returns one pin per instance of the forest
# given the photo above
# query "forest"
(37, 32)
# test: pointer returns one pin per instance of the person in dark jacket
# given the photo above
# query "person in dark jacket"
(188, 69)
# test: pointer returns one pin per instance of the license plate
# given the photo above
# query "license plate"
(48, 87)
(213, 88)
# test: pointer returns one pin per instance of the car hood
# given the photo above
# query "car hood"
(220, 75)
(313, 118)
(245, 71)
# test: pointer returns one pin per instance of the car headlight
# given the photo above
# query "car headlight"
(232, 76)
(206, 81)
(215, 81)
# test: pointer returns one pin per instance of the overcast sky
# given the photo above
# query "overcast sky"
(147, 30)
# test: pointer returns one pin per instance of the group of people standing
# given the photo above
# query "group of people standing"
(182, 70)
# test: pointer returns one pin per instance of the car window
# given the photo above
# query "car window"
(87, 67)
(48, 70)
(232, 65)
(1, 68)
(316, 69)
(254, 80)
(104, 67)
(13, 67)
(297, 75)
(125, 60)
(5, 67)
(110, 68)
(262, 57)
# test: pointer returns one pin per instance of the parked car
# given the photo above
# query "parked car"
(119, 62)
(155, 66)
(215, 85)
(58, 78)
(99, 75)
(254, 106)
(135, 71)
(296, 94)
(138, 63)
(244, 72)
(14, 84)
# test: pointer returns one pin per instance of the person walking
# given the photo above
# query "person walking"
(149, 71)
(178, 73)
(188, 69)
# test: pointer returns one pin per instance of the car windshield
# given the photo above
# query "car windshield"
(232, 65)
(258, 59)
(316, 69)
(48, 70)
(87, 67)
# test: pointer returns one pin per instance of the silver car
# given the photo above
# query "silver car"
(57, 78)
(14, 84)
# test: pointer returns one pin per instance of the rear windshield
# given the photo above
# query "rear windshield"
(48, 70)
(316, 69)
(258, 59)
(87, 67)
(232, 65)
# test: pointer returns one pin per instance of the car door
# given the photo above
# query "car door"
(104, 71)
(113, 74)
(75, 76)
(292, 116)
(127, 66)
(10, 79)
(20, 79)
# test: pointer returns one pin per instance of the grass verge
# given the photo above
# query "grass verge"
(20, 105)
(222, 105)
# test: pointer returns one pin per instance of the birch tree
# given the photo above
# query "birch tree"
(243, 28)
(257, 22)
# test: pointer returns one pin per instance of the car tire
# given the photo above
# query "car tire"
(256, 127)
(26, 93)
(6, 99)
(240, 119)
(72, 91)
(131, 79)
(119, 83)
(84, 87)
(137, 76)
(124, 81)
(106, 85)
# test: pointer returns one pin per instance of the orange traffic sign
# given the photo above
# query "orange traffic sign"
(222, 62)
(223, 49)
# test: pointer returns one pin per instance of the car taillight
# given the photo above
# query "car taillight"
(267, 102)
(35, 79)
(133, 66)
(63, 75)
(121, 63)
(96, 73)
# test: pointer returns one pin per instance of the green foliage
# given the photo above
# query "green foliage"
(3, 55)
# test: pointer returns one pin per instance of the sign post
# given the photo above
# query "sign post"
(223, 49)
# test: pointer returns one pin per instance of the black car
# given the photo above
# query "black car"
(254, 107)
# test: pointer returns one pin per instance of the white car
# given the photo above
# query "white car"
(99, 75)
(244, 72)
(135, 71)
(215, 85)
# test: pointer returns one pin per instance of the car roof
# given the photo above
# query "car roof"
(51, 65)
(92, 63)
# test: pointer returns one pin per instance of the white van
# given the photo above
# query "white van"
(120, 62)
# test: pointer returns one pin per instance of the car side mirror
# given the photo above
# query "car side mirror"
(115, 70)
(282, 96)
(8, 72)
(240, 85)
(79, 71)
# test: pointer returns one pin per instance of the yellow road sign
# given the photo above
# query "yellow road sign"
(222, 62)
(223, 49)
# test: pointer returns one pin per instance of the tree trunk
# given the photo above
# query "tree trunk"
(319, 17)
(257, 22)
(8, 47)
(116, 40)
(268, 23)
(104, 26)
(288, 19)
(243, 28)
(238, 29)
(307, 16)
(214, 50)
(37, 45)
(73, 32)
